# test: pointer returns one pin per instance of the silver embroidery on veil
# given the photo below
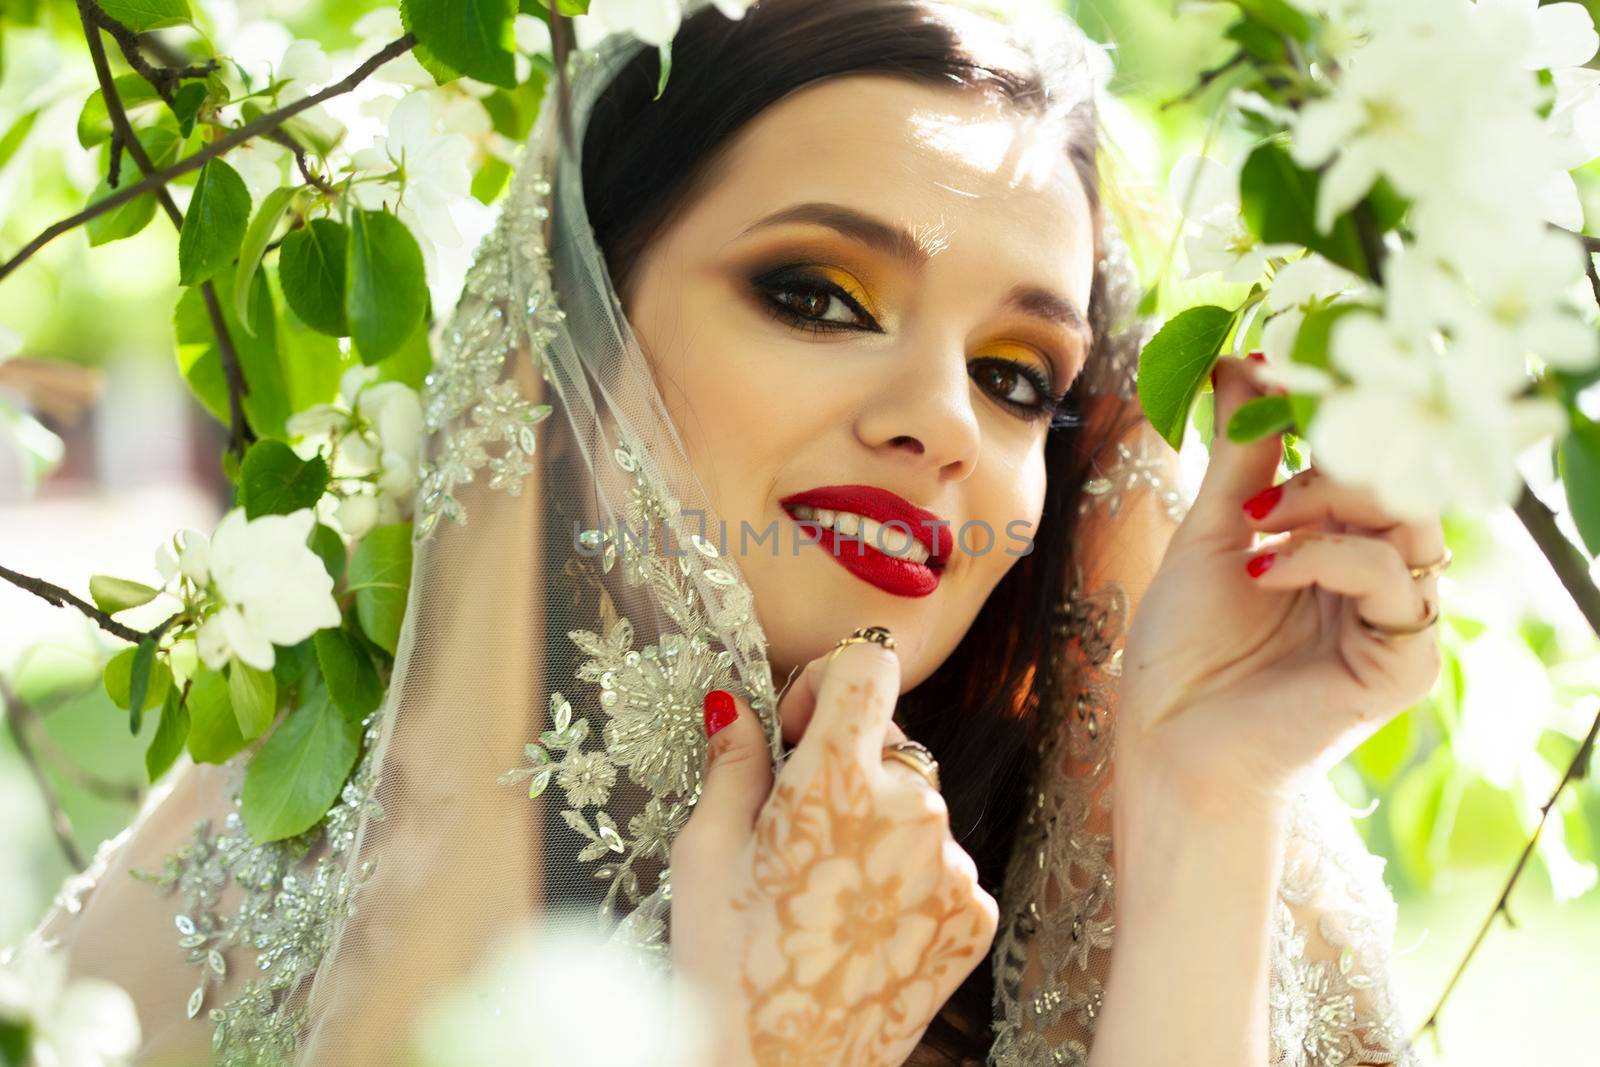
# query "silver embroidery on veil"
(591, 749)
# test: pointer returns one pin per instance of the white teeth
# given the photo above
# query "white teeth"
(893, 540)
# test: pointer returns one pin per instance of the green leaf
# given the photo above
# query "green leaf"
(490, 180)
(1257, 41)
(139, 99)
(17, 134)
(311, 264)
(1579, 465)
(664, 61)
(329, 547)
(112, 595)
(1279, 201)
(443, 73)
(16, 1041)
(144, 657)
(213, 730)
(1260, 417)
(1311, 348)
(171, 733)
(472, 36)
(254, 695)
(141, 15)
(386, 291)
(266, 403)
(298, 773)
(512, 112)
(254, 246)
(1176, 363)
(276, 481)
(313, 362)
(294, 662)
(119, 680)
(1388, 207)
(412, 363)
(380, 577)
(1280, 16)
(186, 104)
(353, 682)
(213, 227)
(161, 144)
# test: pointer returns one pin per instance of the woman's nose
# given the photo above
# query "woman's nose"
(923, 407)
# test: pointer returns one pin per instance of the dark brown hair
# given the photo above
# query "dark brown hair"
(644, 159)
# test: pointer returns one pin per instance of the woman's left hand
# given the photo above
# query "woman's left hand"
(1246, 665)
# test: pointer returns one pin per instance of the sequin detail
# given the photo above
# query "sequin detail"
(291, 893)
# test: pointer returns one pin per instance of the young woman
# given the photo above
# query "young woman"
(850, 273)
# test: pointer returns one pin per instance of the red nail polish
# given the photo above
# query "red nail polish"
(1213, 377)
(1258, 357)
(1258, 564)
(719, 709)
(1259, 505)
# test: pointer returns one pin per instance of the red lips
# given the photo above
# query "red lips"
(883, 507)
(895, 574)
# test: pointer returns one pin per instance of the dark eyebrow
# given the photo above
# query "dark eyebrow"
(1028, 300)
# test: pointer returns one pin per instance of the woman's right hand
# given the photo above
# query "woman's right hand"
(826, 917)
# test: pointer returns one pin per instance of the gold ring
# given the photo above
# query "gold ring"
(1438, 566)
(917, 757)
(1430, 615)
(876, 634)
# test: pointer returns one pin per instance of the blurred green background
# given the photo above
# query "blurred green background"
(1454, 786)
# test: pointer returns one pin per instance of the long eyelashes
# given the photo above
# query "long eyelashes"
(771, 284)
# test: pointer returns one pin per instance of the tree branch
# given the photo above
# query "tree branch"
(59, 597)
(240, 434)
(1564, 557)
(264, 124)
(1574, 769)
(1573, 571)
(164, 79)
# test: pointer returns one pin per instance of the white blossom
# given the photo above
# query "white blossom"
(379, 431)
(425, 141)
(1554, 35)
(1462, 129)
(653, 21)
(377, 28)
(303, 70)
(1426, 426)
(82, 1022)
(273, 589)
(532, 35)
(260, 163)
(1216, 236)
(1521, 282)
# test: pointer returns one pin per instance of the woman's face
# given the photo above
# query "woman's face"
(869, 293)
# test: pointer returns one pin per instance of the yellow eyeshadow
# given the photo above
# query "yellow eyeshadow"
(1017, 353)
(851, 286)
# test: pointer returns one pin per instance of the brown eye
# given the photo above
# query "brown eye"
(1017, 385)
(810, 301)
(1007, 380)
